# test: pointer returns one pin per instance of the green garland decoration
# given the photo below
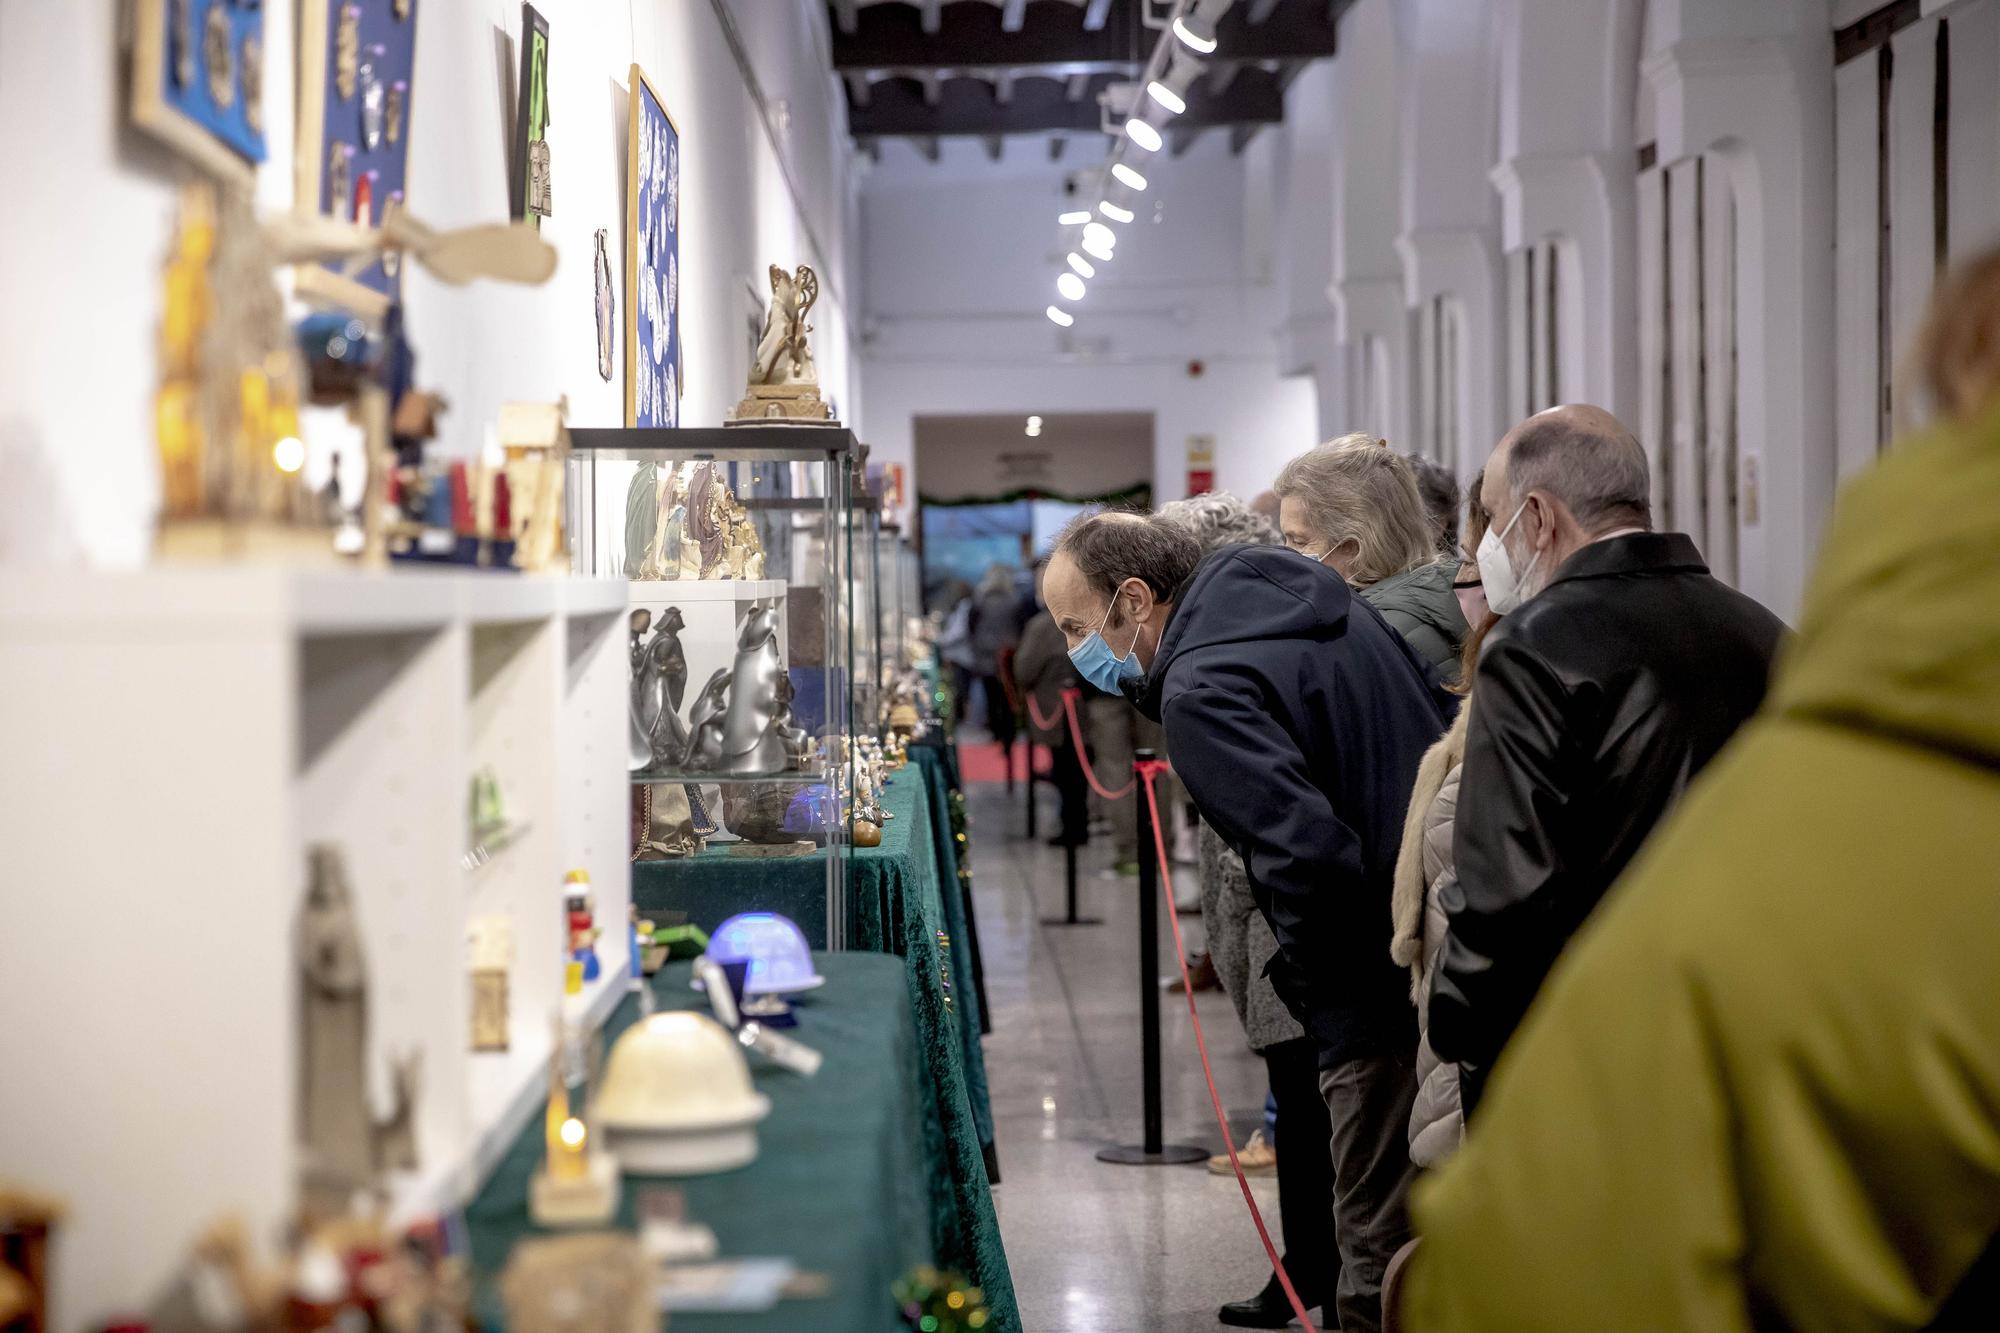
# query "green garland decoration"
(939, 1302)
(1139, 495)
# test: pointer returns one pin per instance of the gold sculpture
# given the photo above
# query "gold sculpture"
(784, 383)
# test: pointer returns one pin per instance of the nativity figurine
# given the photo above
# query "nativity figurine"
(659, 678)
(751, 744)
(344, 1145)
(705, 725)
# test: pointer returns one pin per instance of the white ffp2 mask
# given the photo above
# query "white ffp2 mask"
(1496, 568)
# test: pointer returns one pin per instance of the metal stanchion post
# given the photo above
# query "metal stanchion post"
(1030, 785)
(1153, 1151)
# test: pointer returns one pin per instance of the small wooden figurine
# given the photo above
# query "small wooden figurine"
(536, 438)
(492, 939)
(343, 1146)
(25, 1222)
(580, 909)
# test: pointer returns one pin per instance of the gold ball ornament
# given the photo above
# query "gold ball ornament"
(867, 834)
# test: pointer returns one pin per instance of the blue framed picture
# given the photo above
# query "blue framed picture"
(198, 81)
(356, 64)
(653, 365)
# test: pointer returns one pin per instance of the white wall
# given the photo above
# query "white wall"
(81, 262)
(960, 257)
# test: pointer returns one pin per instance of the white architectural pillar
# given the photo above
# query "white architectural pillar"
(1449, 241)
(1753, 86)
(1565, 174)
(1367, 288)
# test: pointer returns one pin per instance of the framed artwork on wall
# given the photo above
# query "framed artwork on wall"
(530, 172)
(653, 364)
(198, 81)
(356, 60)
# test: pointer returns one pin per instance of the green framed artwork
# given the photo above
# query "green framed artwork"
(531, 122)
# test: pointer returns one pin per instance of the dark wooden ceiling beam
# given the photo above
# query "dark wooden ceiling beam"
(1040, 106)
(973, 37)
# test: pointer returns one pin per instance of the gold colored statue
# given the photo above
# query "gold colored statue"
(784, 382)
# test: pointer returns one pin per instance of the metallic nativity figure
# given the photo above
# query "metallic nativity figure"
(751, 743)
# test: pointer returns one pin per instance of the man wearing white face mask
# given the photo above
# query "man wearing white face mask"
(1621, 668)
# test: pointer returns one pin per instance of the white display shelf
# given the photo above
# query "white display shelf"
(684, 591)
(175, 741)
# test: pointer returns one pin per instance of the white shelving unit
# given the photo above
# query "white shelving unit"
(174, 741)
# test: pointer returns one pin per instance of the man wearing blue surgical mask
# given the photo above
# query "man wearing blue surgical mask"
(1295, 716)
(1621, 668)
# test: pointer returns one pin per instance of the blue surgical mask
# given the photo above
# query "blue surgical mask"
(1096, 663)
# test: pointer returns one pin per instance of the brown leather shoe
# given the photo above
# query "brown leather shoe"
(1201, 971)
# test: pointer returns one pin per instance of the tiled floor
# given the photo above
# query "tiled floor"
(1097, 1248)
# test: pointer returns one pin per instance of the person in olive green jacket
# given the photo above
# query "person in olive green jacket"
(1353, 505)
(1762, 1088)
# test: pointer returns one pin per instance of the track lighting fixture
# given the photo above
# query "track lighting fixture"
(1074, 218)
(1113, 211)
(1128, 177)
(1143, 134)
(1070, 286)
(1060, 317)
(1084, 268)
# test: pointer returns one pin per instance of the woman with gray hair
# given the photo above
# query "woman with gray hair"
(1353, 505)
(1240, 943)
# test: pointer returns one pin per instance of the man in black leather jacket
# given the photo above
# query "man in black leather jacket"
(1296, 717)
(1620, 669)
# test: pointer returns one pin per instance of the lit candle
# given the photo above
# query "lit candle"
(567, 1158)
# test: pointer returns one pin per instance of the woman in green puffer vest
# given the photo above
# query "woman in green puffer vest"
(1353, 505)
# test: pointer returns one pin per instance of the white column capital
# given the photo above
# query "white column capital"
(1367, 308)
(1553, 194)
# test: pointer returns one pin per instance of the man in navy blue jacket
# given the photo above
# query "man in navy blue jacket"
(1296, 716)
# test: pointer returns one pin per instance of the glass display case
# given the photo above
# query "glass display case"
(738, 546)
(902, 599)
(871, 567)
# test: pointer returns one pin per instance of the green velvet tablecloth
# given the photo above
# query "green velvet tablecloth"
(899, 900)
(852, 1178)
(897, 904)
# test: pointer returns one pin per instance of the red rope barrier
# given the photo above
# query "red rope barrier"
(1042, 723)
(1069, 697)
(1147, 771)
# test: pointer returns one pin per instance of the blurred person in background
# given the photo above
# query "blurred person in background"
(1621, 668)
(995, 628)
(1424, 873)
(1439, 492)
(1240, 947)
(1042, 670)
(1762, 1088)
(954, 644)
(1466, 584)
(1297, 717)
(1352, 505)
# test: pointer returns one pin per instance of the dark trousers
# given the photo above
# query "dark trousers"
(1000, 718)
(1369, 1101)
(1305, 1170)
(1072, 793)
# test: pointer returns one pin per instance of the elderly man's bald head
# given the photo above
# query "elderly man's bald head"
(1580, 455)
